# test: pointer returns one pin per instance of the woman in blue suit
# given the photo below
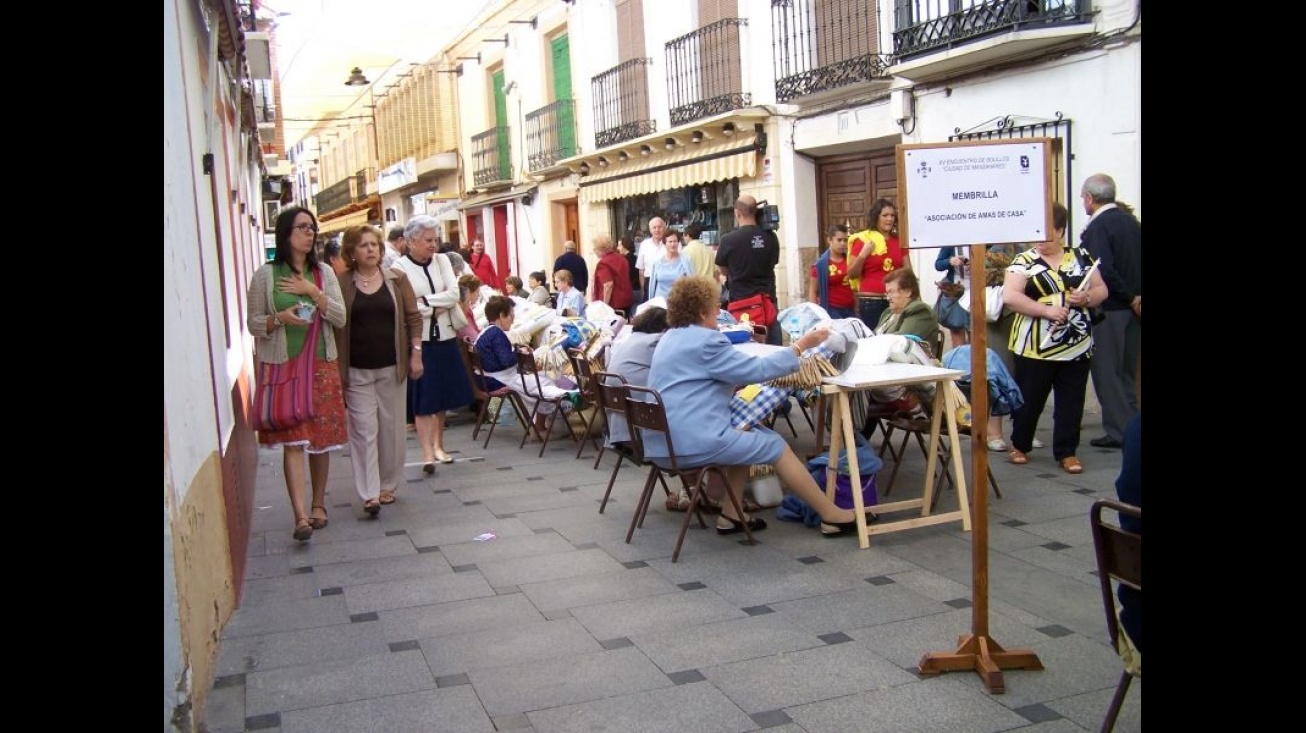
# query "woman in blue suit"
(696, 370)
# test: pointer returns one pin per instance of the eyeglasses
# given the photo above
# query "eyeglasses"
(306, 228)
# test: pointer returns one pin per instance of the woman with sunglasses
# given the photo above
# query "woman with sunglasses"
(285, 296)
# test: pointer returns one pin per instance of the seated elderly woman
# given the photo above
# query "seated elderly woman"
(631, 358)
(907, 314)
(696, 369)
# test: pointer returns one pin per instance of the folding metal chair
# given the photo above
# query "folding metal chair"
(584, 371)
(505, 394)
(1119, 563)
(611, 391)
(647, 414)
(530, 376)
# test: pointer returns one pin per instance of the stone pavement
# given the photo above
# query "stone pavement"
(406, 623)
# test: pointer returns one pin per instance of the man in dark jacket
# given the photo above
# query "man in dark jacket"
(575, 264)
(1115, 237)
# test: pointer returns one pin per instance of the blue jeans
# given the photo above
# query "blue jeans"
(870, 309)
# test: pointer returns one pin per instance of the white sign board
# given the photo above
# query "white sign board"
(976, 194)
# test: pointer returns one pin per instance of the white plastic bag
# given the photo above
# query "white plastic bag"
(992, 303)
(797, 320)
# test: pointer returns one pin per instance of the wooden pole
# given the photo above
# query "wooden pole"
(977, 650)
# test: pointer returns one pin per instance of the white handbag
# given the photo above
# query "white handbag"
(992, 303)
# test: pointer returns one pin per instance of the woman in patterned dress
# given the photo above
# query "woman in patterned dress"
(1051, 339)
(277, 291)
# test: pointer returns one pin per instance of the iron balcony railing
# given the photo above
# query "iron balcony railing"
(342, 193)
(822, 45)
(491, 157)
(621, 103)
(928, 25)
(704, 72)
(551, 133)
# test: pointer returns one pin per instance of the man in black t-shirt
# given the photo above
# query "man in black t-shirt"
(747, 257)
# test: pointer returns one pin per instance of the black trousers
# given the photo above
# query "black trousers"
(1067, 381)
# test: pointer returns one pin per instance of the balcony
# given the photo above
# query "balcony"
(823, 46)
(704, 75)
(342, 193)
(551, 134)
(491, 157)
(935, 37)
(621, 103)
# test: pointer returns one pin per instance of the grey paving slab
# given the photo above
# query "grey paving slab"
(932, 585)
(534, 569)
(542, 498)
(457, 617)
(224, 709)
(454, 533)
(306, 646)
(279, 588)
(867, 605)
(506, 548)
(905, 642)
(1060, 504)
(507, 646)
(1073, 530)
(267, 566)
(269, 618)
(1089, 709)
(408, 592)
(1061, 562)
(721, 642)
(380, 570)
(307, 686)
(565, 681)
(693, 707)
(908, 708)
(783, 680)
(452, 709)
(752, 576)
(324, 553)
(597, 588)
(1072, 665)
(655, 613)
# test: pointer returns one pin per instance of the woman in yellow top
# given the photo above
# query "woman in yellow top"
(875, 252)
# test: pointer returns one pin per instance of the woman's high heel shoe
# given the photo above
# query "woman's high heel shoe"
(756, 524)
(842, 528)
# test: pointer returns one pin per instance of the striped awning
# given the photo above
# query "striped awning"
(688, 165)
(339, 224)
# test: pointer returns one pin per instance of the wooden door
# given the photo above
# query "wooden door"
(847, 184)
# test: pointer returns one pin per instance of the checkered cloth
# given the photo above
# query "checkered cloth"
(752, 405)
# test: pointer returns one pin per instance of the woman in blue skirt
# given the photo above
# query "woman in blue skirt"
(444, 384)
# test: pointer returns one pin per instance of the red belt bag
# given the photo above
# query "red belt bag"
(759, 307)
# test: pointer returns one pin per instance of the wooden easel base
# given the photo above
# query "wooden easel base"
(985, 656)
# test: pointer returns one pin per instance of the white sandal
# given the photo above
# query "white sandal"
(997, 445)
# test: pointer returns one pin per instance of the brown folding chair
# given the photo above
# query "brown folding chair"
(1119, 562)
(530, 377)
(920, 429)
(505, 394)
(611, 391)
(646, 413)
(584, 371)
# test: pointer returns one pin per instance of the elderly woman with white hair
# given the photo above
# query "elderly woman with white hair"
(444, 384)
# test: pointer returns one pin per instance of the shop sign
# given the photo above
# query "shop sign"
(400, 174)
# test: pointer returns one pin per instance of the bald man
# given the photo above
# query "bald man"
(572, 262)
(747, 257)
(650, 251)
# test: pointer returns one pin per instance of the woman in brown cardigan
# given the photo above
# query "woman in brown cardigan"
(380, 346)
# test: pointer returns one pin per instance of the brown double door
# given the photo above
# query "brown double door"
(847, 184)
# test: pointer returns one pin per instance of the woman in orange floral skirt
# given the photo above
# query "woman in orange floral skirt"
(277, 293)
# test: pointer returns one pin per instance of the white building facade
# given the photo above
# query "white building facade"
(674, 108)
